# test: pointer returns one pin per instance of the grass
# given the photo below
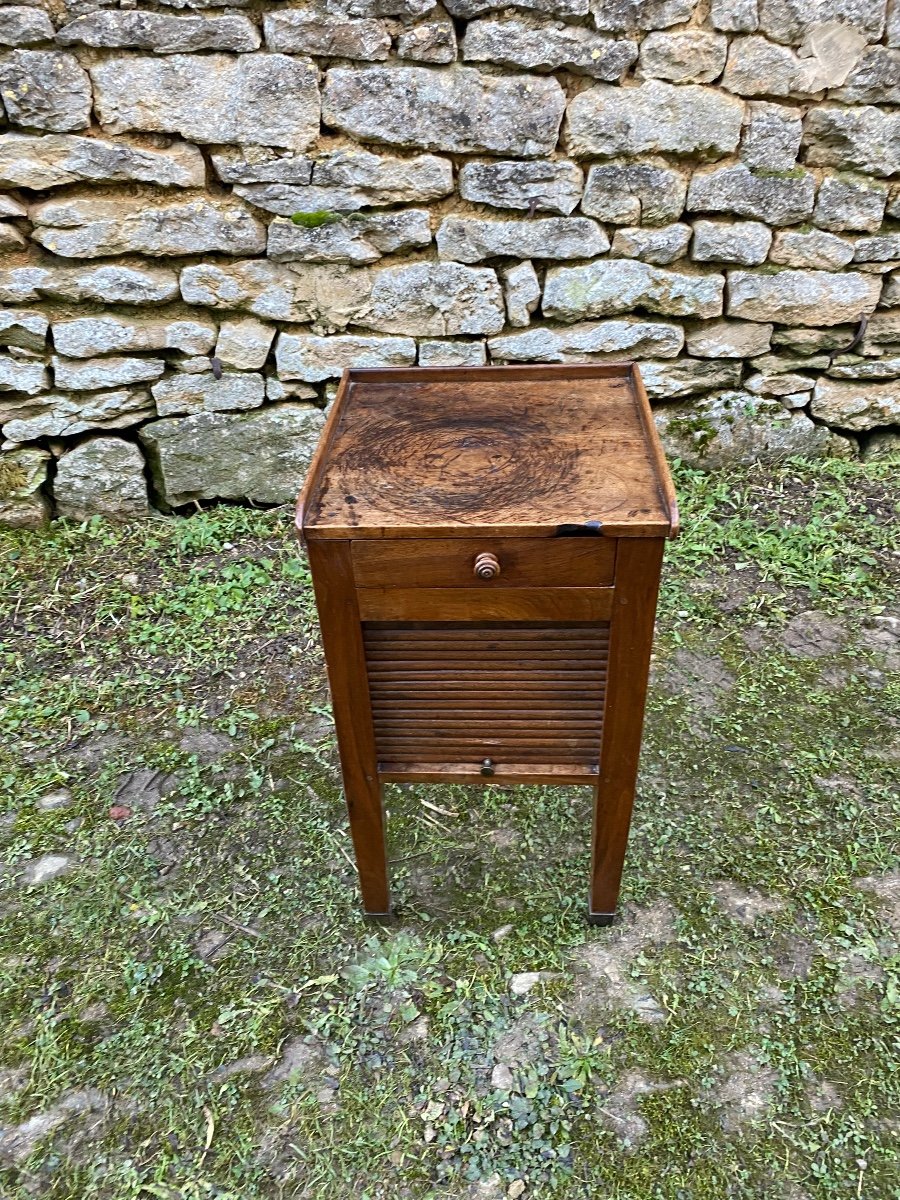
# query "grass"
(745, 1044)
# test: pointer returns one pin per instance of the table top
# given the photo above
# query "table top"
(514, 451)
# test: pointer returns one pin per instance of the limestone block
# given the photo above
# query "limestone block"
(883, 331)
(738, 428)
(890, 292)
(258, 99)
(311, 31)
(790, 21)
(160, 32)
(461, 111)
(470, 239)
(590, 341)
(649, 193)
(874, 80)
(452, 354)
(434, 300)
(358, 238)
(26, 375)
(779, 385)
(688, 56)
(771, 137)
(329, 296)
(85, 337)
(108, 284)
(63, 414)
(883, 248)
(631, 16)
(432, 41)
(10, 207)
(27, 330)
(312, 359)
(653, 117)
(87, 227)
(745, 242)
(851, 366)
(856, 405)
(185, 393)
(552, 8)
(758, 67)
(44, 89)
(816, 250)
(861, 139)
(727, 339)
(734, 16)
(545, 46)
(850, 202)
(346, 181)
(94, 374)
(11, 238)
(244, 344)
(261, 456)
(101, 477)
(688, 377)
(619, 285)
(775, 199)
(289, 389)
(522, 292)
(57, 159)
(660, 246)
(543, 186)
(261, 164)
(24, 26)
(811, 341)
(802, 297)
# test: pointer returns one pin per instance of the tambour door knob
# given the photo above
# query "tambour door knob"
(487, 766)
(487, 566)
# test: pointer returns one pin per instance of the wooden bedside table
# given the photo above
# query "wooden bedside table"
(485, 547)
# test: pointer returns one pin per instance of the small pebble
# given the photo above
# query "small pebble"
(521, 984)
(42, 870)
(61, 798)
(502, 1078)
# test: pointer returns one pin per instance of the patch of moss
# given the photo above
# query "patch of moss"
(314, 220)
(13, 477)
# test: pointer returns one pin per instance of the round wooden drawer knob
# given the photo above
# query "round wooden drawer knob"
(487, 566)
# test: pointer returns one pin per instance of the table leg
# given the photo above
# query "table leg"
(638, 562)
(332, 572)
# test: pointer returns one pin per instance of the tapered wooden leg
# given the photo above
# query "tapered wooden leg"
(332, 571)
(638, 562)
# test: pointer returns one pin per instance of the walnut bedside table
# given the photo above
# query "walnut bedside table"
(485, 546)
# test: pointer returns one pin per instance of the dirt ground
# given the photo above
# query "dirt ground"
(191, 1005)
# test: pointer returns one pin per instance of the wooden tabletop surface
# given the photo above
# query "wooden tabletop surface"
(513, 451)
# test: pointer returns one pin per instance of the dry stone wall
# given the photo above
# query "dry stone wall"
(711, 187)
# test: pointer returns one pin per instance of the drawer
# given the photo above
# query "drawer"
(484, 562)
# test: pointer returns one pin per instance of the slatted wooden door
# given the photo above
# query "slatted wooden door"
(529, 698)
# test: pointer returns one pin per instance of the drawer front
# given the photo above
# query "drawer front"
(457, 695)
(484, 562)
